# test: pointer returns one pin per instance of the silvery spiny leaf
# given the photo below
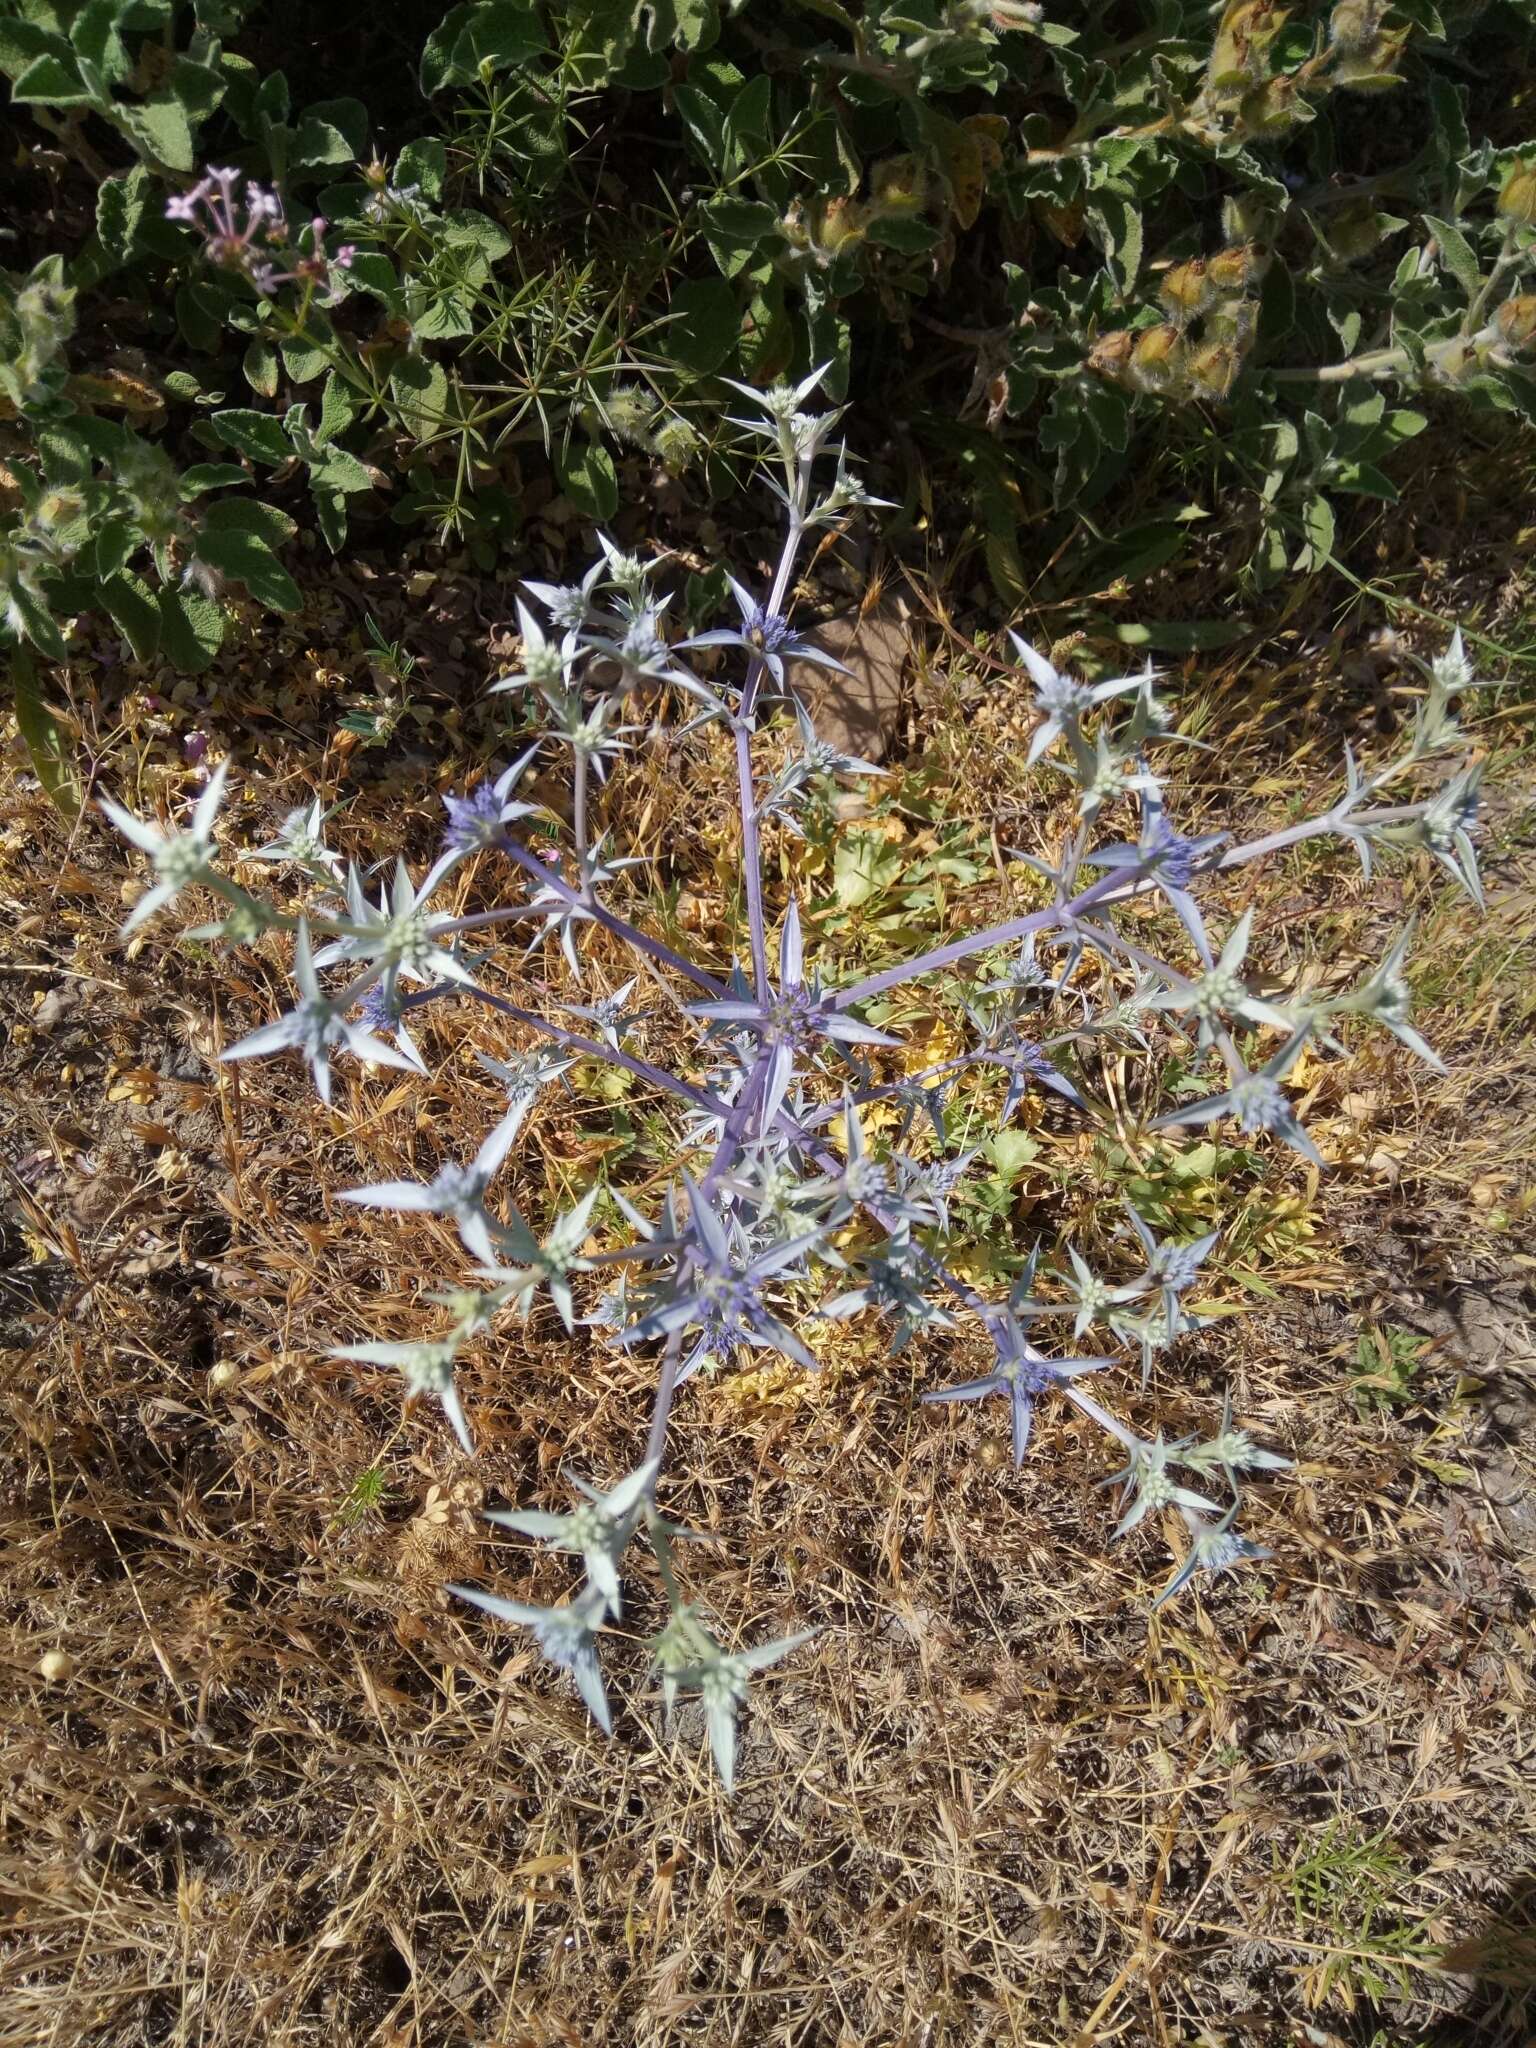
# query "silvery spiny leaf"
(598, 1530)
(247, 919)
(1214, 1547)
(428, 1369)
(1168, 859)
(916, 1098)
(549, 1264)
(768, 1182)
(1385, 999)
(844, 494)
(926, 1186)
(317, 1026)
(1232, 1451)
(1062, 702)
(641, 653)
(1355, 792)
(456, 1191)
(566, 1635)
(477, 819)
(719, 1290)
(891, 1285)
(789, 1020)
(724, 1082)
(664, 1237)
(382, 1007)
(615, 1309)
(1171, 1267)
(547, 664)
(863, 1179)
(570, 605)
(1091, 1295)
(820, 757)
(628, 572)
(1221, 992)
(1445, 828)
(586, 730)
(1023, 976)
(563, 910)
(1149, 1485)
(301, 839)
(1257, 1101)
(523, 1074)
(1149, 1329)
(1022, 1375)
(687, 1655)
(399, 933)
(180, 858)
(1103, 774)
(817, 758)
(1122, 1018)
(1023, 1061)
(1450, 675)
(609, 1016)
(1150, 719)
(799, 436)
(475, 1309)
(767, 635)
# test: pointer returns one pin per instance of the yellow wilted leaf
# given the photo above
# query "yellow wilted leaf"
(873, 1116)
(118, 390)
(1066, 223)
(1307, 1068)
(991, 132)
(963, 167)
(940, 1043)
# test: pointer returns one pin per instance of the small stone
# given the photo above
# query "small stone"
(857, 712)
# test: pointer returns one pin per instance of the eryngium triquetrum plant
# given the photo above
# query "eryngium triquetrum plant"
(749, 1250)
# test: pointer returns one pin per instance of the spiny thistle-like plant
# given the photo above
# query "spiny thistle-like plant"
(750, 1249)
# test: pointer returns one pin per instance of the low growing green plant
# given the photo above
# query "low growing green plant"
(1210, 262)
(341, 326)
(1279, 222)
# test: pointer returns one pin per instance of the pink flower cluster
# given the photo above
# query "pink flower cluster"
(250, 233)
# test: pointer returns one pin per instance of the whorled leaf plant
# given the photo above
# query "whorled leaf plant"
(750, 1250)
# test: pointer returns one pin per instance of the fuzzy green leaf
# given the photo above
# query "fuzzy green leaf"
(50, 82)
(256, 434)
(249, 516)
(705, 324)
(248, 560)
(161, 130)
(261, 367)
(132, 609)
(589, 479)
(1456, 254)
(191, 629)
(44, 742)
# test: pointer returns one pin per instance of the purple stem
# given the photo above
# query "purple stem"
(661, 1412)
(1111, 888)
(746, 788)
(739, 1116)
(615, 1057)
(654, 949)
(579, 806)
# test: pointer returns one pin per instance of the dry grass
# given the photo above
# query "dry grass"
(264, 1783)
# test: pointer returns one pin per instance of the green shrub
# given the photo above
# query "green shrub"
(1114, 275)
(1237, 240)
